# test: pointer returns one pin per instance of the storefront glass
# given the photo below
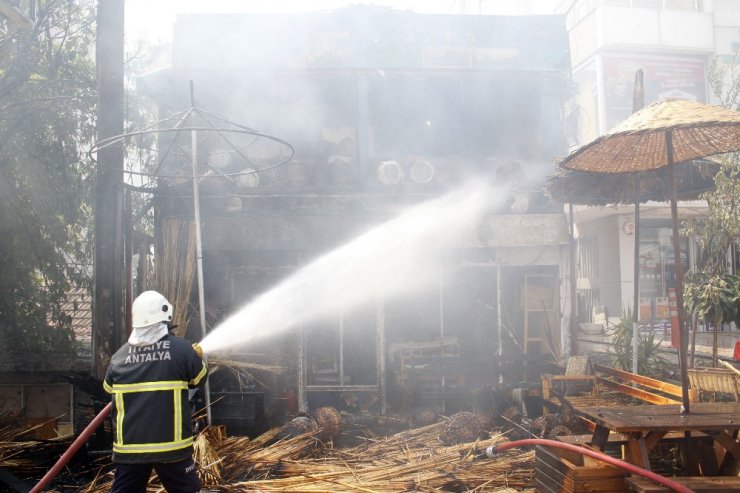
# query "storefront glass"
(658, 269)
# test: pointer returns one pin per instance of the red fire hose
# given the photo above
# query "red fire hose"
(596, 455)
(72, 450)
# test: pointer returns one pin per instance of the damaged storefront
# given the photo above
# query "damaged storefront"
(385, 110)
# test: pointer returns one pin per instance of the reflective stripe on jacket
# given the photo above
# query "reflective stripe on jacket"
(151, 412)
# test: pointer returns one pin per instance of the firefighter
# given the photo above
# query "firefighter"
(148, 379)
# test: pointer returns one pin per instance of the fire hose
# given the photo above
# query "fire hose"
(675, 486)
(72, 450)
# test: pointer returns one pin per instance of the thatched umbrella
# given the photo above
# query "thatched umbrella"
(599, 189)
(664, 133)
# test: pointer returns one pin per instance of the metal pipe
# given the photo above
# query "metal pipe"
(302, 371)
(380, 351)
(572, 273)
(341, 348)
(499, 325)
(441, 306)
(199, 252)
(492, 450)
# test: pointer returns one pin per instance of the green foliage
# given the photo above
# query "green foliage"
(649, 362)
(47, 98)
(717, 231)
(710, 292)
(724, 78)
(714, 297)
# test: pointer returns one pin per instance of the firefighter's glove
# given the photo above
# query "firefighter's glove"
(198, 350)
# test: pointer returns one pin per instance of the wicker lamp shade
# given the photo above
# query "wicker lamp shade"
(640, 142)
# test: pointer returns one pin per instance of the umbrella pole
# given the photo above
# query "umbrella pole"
(638, 102)
(636, 292)
(573, 281)
(678, 266)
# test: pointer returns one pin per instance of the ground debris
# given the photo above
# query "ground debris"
(412, 460)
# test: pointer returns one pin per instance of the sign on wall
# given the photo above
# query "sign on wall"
(664, 78)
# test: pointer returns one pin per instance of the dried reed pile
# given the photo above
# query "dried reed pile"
(413, 460)
(27, 457)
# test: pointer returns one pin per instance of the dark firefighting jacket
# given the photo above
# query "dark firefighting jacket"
(151, 410)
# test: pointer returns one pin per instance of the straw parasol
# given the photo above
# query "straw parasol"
(664, 133)
(597, 189)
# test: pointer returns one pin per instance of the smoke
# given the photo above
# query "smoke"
(396, 257)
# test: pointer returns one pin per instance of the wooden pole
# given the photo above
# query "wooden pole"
(678, 266)
(108, 314)
(636, 274)
(638, 102)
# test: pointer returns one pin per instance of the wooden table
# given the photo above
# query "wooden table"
(646, 425)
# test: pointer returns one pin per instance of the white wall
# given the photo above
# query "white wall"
(627, 260)
(726, 13)
(627, 26)
(686, 30)
(643, 29)
(583, 39)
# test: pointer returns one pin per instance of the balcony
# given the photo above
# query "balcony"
(651, 26)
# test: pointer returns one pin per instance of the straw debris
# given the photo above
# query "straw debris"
(413, 460)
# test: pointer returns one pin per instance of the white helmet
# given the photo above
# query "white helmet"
(149, 308)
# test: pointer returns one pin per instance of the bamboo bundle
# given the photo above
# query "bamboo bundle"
(262, 462)
(175, 271)
(206, 456)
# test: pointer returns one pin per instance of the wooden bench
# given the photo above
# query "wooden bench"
(629, 384)
(699, 484)
(712, 380)
(640, 387)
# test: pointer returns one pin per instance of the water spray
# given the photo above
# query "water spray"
(396, 257)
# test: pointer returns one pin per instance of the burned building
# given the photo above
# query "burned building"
(384, 110)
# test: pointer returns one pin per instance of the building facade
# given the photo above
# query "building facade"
(385, 110)
(677, 44)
